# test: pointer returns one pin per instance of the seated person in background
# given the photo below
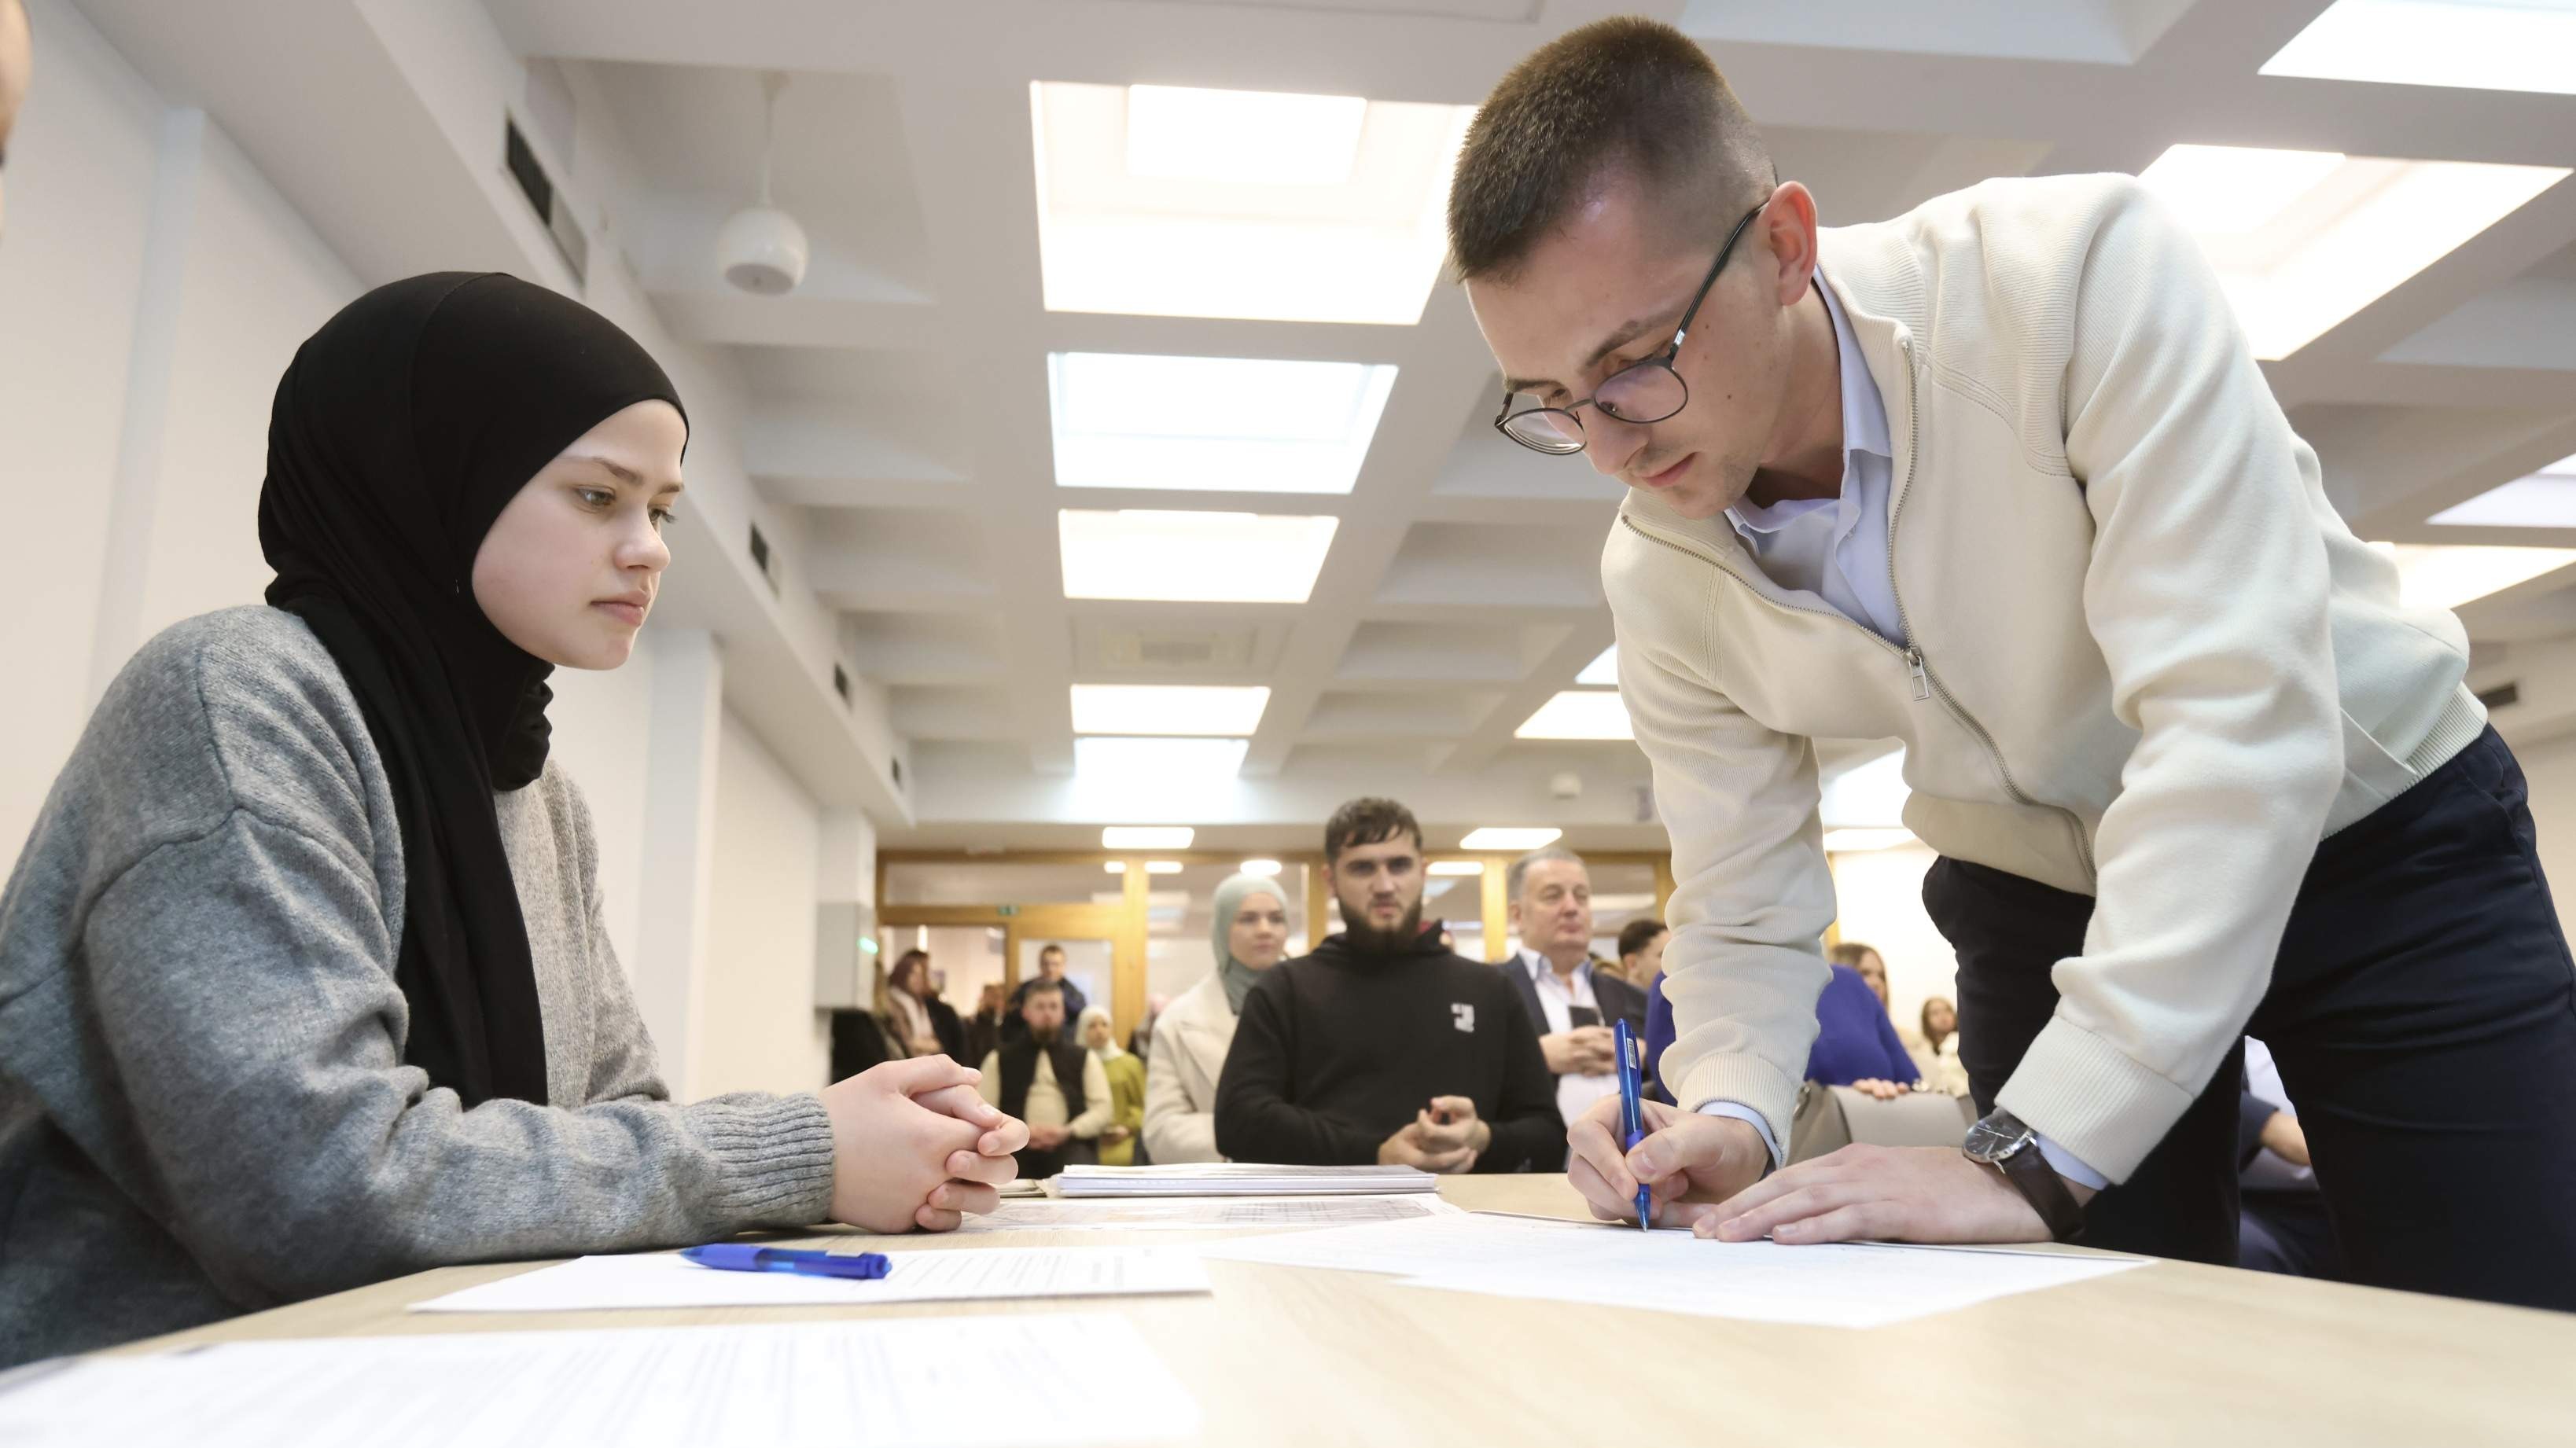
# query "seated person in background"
(1126, 1077)
(1873, 971)
(1050, 972)
(302, 981)
(1382, 1047)
(1191, 1036)
(927, 1024)
(1046, 1079)
(984, 1028)
(1567, 998)
(1856, 1044)
(1939, 1060)
(2281, 1216)
(1641, 950)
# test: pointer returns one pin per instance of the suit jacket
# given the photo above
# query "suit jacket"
(1617, 998)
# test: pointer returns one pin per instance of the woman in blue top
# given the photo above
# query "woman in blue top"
(1856, 1044)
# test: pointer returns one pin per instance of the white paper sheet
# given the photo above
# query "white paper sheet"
(919, 1383)
(1858, 1285)
(1239, 1179)
(1205, 1213)
(666, 1279)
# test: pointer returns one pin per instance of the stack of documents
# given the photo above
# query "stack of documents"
(1036, 1379)
(1240, 1179)
(1201, 1214)
(1865, 1284)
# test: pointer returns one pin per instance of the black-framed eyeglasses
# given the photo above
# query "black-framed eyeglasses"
(1639, 393)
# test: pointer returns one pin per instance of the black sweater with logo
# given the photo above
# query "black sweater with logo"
(1337, 1050)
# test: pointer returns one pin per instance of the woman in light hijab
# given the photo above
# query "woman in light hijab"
(1126, 1087)
(302, 977)
(1249, 935)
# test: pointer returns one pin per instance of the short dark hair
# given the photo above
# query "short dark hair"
(1049, 949)
(1367, 821)
(1626, 94)
(1043, 986)
(1637, 934)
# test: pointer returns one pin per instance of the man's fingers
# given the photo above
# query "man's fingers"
(919, 1075)
(1808, 1201)
(961, 1102)
(1454, 1106)
(964, 1196)
(1446, 1160)
(1857, 1222)
(932, 1219)
(1685, 1214)
(974, 1166)
(1597, 1194)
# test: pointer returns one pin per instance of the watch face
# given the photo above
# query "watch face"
(1995, 1138)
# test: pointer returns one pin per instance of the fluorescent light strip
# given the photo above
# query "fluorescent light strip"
(1509, 837)
(1578, 714)
(1177, 203)
(1261, 867)
(2438, 575)
(1185, 557)
(2546, 499)
(1157, 763)
(2521, 45)
(1164, 709)
(1147, 837)
(1213, 424)
(2295, 265)
(1458, 868)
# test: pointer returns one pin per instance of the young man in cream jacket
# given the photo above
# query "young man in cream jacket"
(2000, 479)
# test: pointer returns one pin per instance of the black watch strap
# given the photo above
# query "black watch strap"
(2027, 1169)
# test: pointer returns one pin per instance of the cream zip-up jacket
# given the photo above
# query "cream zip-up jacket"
(2146, 660)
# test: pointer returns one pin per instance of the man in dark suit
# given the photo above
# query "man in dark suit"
(1570, 1002)
(1015, 1026)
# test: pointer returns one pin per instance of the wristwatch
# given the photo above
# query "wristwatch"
(2003, 1142)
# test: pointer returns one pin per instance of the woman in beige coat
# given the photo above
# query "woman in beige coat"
(1250, 934)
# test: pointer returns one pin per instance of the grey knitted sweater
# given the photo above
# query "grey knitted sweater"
(203, 1106)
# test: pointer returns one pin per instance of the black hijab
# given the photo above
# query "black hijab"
(401, 430)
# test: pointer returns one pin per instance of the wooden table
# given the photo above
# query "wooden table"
(2167, 1354)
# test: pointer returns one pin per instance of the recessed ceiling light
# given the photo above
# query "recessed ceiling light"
(1507, 837)
(1115, 867)
(2440, 575)
(1162, 867)
(2518, 45)
(1167, 709)
(1184, 557)
(1603, 671)
(1213, 424)
(1156, 763)
(1844, 842)
(1147, 837)
(2295, 259)
(2546, 499)
(1261, 867)
(1457, 867)
(1193, 203)
(1182, 133)
(1578, 714)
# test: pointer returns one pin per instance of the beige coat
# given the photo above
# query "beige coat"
(1190, 1041)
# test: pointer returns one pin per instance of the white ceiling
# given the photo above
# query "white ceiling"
(899, 424)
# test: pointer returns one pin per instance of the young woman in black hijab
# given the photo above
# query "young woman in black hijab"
(302, 977)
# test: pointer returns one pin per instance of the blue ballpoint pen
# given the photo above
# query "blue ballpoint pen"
(745, 1257)
(1632, 1113)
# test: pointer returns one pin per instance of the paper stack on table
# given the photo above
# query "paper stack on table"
(1240, 1179)
(1854, 1285)
(666, 1279)
(1043, 1378)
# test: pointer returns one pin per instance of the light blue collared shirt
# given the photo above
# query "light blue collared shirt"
(1835, 550)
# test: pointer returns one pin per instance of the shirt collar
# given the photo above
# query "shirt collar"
(1864, 429)
(1538, 965)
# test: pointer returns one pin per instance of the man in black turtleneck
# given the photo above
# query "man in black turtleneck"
(1383, 1046)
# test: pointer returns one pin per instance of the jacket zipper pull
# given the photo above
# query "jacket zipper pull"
(1922, 676)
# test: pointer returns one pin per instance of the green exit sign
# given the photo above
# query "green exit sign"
(1006, 911)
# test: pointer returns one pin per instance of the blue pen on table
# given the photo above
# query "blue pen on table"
(745, 1257)
(1632, 1113)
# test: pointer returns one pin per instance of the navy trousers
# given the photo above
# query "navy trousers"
(2422, 1011)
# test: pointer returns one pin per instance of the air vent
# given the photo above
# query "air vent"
(763, 559)
(552, 212)
(841, 682)
(1120, 648)
(896, 766)
(2502, 696)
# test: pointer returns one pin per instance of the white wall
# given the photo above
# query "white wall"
(1881, 897)
(757, 1026)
